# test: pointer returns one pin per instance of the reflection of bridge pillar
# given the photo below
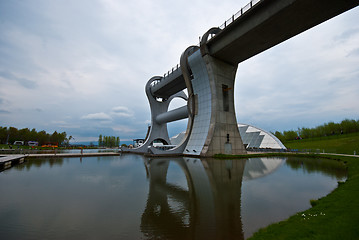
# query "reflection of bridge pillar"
(159, 221)
(215, 127)
(211, 204)
(226, 181)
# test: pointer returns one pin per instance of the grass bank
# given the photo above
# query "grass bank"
(335, 216)
(344, 144)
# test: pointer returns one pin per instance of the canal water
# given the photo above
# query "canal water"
(134, 197)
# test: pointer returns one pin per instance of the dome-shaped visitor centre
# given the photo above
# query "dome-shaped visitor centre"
(252, 137)
(256, 138)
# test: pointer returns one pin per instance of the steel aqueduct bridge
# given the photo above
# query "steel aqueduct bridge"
(208, 73)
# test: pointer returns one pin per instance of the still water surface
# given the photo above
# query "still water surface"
(133, 197)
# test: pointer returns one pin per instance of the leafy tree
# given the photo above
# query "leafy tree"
(290, 135)
(327, 129)
(62, 137)
(3, 135)
(279, 135)
(100, 141)
(349, 126)
(109, 141)
(43, 137)
(54, 138)
(12, 134)
(305, 133)
(24, 134)
(33, 135)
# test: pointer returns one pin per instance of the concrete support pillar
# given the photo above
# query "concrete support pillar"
(223, 135)
(215, 127)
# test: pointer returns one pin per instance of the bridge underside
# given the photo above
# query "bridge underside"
(269, 23)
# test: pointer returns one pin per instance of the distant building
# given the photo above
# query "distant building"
(256, 138)
(252, 137)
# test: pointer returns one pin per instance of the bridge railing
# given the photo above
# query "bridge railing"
(239, 13)
(223, 26)
(171, 71)
(165, 75)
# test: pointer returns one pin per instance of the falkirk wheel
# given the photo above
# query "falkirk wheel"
(212, 125)
(208, 73)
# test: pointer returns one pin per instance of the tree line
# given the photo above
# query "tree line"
(8, 135)
(108, 141)
(344, 127)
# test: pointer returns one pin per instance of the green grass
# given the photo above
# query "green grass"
(344, 144)
(335, 216)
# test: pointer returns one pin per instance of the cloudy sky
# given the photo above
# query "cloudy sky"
(81, 66)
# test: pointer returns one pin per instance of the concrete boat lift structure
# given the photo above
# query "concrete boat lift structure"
(208, 73)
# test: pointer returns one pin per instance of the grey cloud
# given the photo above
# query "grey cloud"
(4, 111)
(22, 81)
(122, 111)
(97, 117)
(347, 34)
(354, 53)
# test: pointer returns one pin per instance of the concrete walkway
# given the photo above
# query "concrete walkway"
(7, 161)
(337, 154)
(7, 158)
(333, 154)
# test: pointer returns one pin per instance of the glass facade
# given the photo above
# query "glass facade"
(254, 137)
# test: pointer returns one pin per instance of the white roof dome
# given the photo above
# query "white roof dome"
(254, 137)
